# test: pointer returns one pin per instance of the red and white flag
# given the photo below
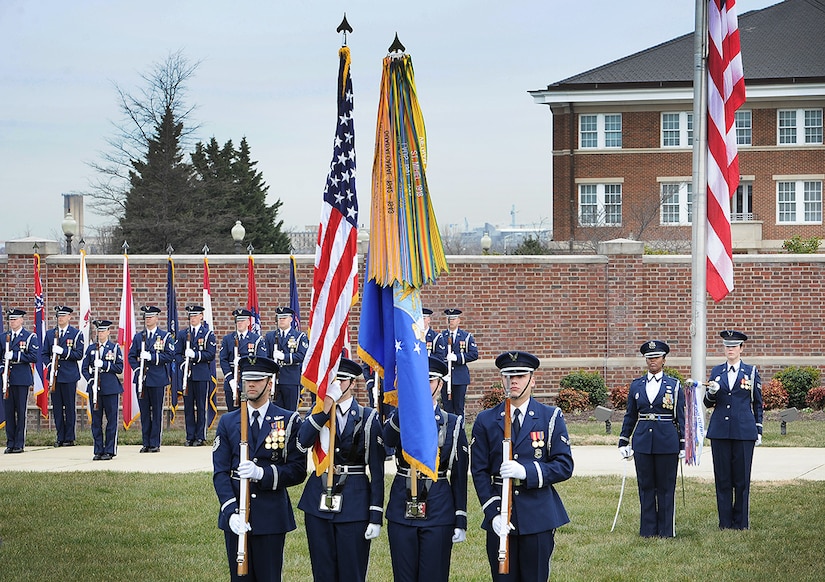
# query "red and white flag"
(125, 332)
(85, 320)
(41, 379)
(726, 94)
(211, 406)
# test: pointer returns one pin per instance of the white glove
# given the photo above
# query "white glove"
(512, 470)
(277, 355)
(713, 387)
(249, 470)
(334, 391)
(452, 357)
(759, 440)
(58, 350)
(144, 355)
(237, 524)
(626, 452)
(233, 384)
(190, 353)
(98, 363)
(447, 379)
(459, 535)
(682, 454)
(8, 355)
(499, 527)
(372, 532)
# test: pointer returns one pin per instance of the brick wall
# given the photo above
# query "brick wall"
(575, 312)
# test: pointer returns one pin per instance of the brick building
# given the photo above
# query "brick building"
(623, 135)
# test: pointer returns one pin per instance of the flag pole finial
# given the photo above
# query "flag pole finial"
(125, 247)
(396, 45)
(170, 249)
(345, 28)
(250, 249)
(205, 250)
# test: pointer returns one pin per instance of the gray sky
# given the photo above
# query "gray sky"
(268, 71)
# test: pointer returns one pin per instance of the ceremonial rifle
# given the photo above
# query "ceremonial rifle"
(243, 503)
(236, 363)
(95, 388)
(142, 367)
(6, 366)
(506, 489)
(186, 369)
(450, 365)
(55, 361)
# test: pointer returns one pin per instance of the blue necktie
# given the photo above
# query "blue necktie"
(256, 426)
(516, 424)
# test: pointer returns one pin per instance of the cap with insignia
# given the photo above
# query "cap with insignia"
(654, 349)
(194, 309)
(452, 313)
(516, 363)
(732, 338)
(102, 324)
(284, 311)
(241, 313)
(438, 369)
(426, 311)
(15, 313)
(348, 369)
(149, 310)
(257, 368)
(62, 310)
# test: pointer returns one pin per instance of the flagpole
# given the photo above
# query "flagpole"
(698, 326)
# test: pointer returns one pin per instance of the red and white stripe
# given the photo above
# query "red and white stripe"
(726, 93)
(125, 332)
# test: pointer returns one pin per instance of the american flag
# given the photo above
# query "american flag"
(41, 387)
(726, 94)
(335, 278)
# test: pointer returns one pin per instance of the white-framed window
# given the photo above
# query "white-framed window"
(799, 202)
(600, 130)
(742, 203)
(744, 127)
(677, 129)
(677, 203)
(600, 204)
(799, 126)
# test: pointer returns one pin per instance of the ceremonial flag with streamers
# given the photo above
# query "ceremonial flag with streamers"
(175, 374)
(126, 329)
(335, 276)
(211, 407)
(252, 296)
(294, 303)
(405, 253)
(41, 380)
(726, 94)
(695, 421)
(3, 338)
(85, 323)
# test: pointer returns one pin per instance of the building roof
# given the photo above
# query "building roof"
(781, 43)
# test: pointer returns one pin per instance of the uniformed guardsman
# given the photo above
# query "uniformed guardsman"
(248, 343)
(421, 542)
(156, 349)
(63, 348)
(340, 526)
(275, 463)
(429, 333)
(457, 348)
(735, 394)
(22, 351)
(200, 355)
(287, 346)
(106, 357)
(653, 435)
(541, 458)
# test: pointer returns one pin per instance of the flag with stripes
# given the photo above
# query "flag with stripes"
(211, 407)
(726, 94)
(335, 276)
(85, 323)
(41, 380)
(126, 328)
(252, 296)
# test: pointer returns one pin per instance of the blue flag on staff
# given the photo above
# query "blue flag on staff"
(176, 384)
(294, 304)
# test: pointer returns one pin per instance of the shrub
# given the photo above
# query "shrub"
(618, 396)
(572, 400)
(816, 398)
(674, 373)
(799, 245)
(493, 396)
(798, 381)
(774, 395)
(591, 383)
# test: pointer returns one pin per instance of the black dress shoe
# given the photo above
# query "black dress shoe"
(144, 449)
(68, 444)
(200, 442)
(16, 450)
(58, 444)
(97, 457)
(154, 449)
(7, 451)
(188, 443)
(105, 457)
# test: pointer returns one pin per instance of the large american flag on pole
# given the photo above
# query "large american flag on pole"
(726, 94)
(335, 277)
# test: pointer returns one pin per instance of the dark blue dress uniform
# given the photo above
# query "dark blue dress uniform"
(542, 446)
(421, 548)
(270, 510)
(64, 392)
(431, 334)
(23, 347)
(294, 345)
(734, 427)
(202, 341)
(161, 350)
(108, 392)
(337, 547)
(655, 430)
(463, 345)
(249, 344)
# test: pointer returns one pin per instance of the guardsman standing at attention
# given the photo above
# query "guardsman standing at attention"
(197, 345)
(22, 351)
(62, 349)
(541, 458)
(421, 542)
(274, 464)
(735, 394)
(156, 350)
(248, 343)
(653, 435)
(287, 346)
(103, 360)
(429, 333)
(341, 522)
(457, 348)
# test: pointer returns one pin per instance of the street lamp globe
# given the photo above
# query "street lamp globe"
(69, 226)
(486, 242)
(238, 232)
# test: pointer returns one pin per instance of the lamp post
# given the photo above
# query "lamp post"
(486, 243)
(238, 232)
(363, 240)
(69, 225)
